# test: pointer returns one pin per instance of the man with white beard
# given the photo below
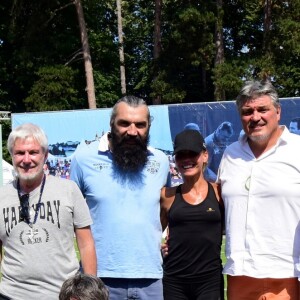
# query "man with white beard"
(38, 217)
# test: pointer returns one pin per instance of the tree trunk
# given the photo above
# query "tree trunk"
(121, 47)
(267, 25)
(90, 87)
(266, 37)
(157, 42)
(219, 92)
(157, 29)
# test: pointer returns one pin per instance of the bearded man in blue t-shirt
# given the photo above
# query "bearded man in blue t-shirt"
(121, 178)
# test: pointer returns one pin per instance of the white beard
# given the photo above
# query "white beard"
(29, 178)
(259, 138)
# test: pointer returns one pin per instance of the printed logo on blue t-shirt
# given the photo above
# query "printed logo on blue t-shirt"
(152, 166)
(101, 165)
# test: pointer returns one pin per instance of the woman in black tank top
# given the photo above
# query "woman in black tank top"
(193, 213)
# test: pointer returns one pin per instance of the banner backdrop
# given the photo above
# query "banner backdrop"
(87, 125)
(218, 122)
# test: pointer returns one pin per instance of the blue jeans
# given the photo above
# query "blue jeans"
(134, 289)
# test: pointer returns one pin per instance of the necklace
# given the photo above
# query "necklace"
(25, 213)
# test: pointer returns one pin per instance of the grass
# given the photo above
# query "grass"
(223, 262)
(76, 249)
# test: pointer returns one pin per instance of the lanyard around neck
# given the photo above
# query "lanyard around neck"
(27, 218)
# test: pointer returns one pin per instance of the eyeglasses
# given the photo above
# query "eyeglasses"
(24, 214)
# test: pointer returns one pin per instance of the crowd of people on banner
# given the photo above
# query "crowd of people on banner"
(58, 167)
(120, 198)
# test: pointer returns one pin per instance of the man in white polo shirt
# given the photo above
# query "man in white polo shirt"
(260, 179)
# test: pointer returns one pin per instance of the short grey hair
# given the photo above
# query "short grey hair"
(255, 89)
(27, 130)
(131, 101)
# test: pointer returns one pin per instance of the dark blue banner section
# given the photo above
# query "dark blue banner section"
(208, 116)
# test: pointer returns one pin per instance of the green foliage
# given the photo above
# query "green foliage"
(188, 49)
(229, 77)
(6, 129)
(107, 85)
(287, 80)
(52, 83)
(169, 93)
(138, 26)
(42, 68)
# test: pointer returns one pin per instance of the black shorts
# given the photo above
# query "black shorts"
(209, 287)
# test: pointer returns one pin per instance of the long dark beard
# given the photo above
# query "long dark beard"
(129, 159)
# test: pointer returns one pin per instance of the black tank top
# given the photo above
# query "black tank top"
(195, 236)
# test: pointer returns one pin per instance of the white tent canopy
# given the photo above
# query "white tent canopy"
(8, 172)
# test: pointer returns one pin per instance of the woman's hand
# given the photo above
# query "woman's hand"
(164, 249)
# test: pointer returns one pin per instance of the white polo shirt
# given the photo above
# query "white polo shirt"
(262, 208)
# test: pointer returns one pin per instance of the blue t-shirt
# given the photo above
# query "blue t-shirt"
(125, 211)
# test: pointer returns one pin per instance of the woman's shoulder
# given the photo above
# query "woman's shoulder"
(217, 190)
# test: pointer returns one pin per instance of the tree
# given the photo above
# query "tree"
(175, 50)
(101, 19)
(157, 45)
(121, 47)
(90, 88)
(285, 46)
(219, 58)
(37, 35)
(188, 51)
(53, 90)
